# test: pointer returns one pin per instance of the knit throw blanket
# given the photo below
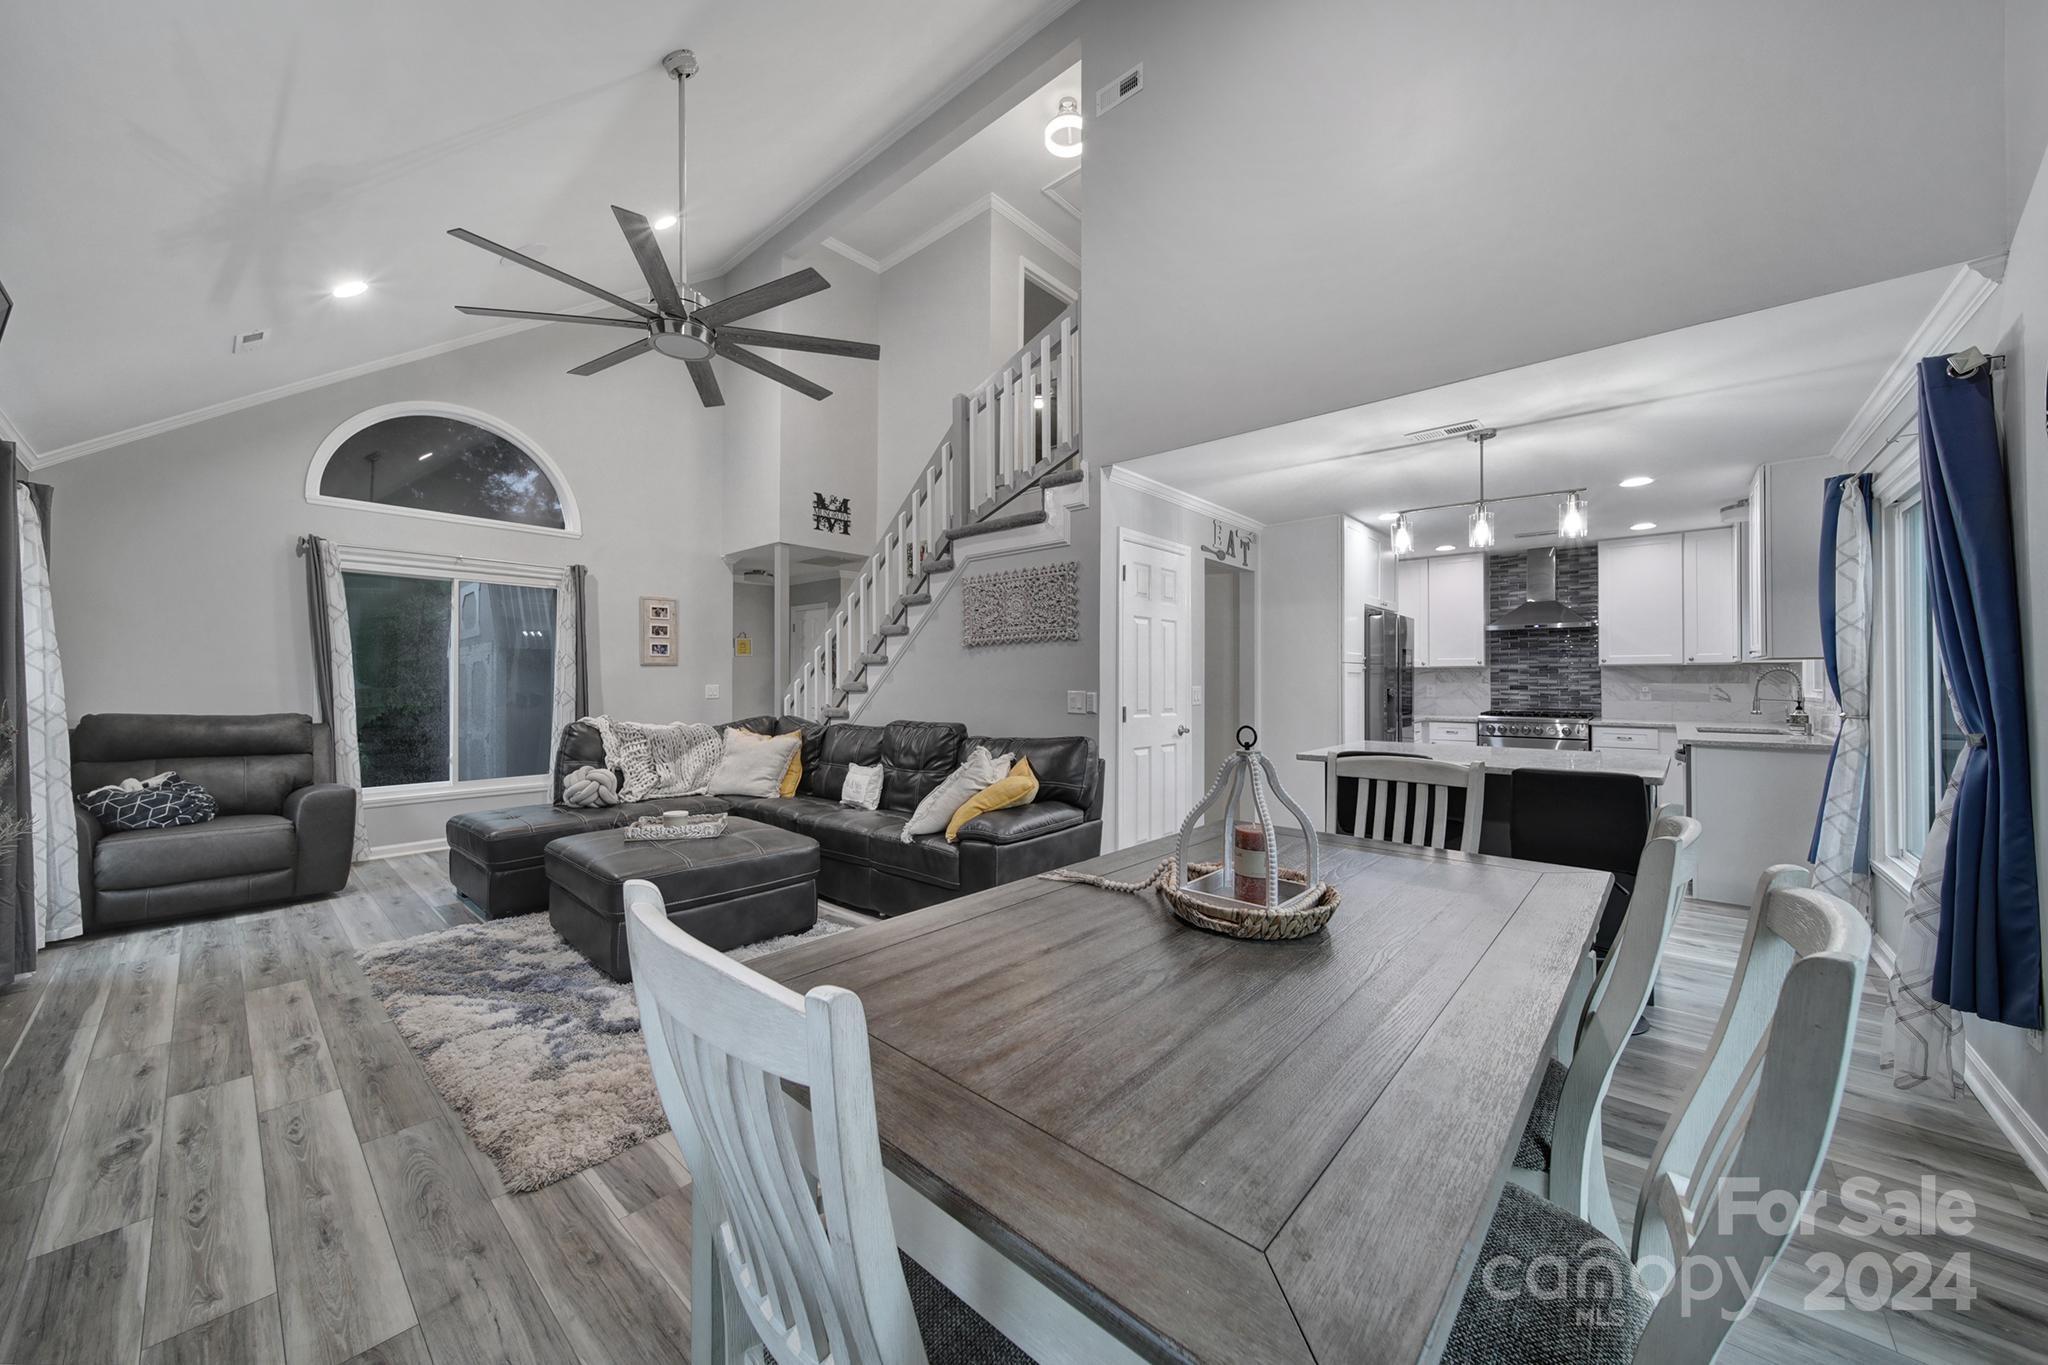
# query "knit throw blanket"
(659, 760)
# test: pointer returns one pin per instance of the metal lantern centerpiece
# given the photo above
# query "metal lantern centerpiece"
(1248, 894)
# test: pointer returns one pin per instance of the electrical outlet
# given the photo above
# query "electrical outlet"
(711, 691)
(1077, 703)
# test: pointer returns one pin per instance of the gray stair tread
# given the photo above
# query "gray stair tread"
(914, 599)
(854, 685)
(1063, 478)
(894, 628)
(874, 660)
(1012, 522)
(834, 712)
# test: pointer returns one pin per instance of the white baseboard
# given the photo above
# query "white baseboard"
(382, 851)
(2016, 1123)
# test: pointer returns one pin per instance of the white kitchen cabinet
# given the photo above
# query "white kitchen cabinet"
(1457, 611)
(1361, 584)
(1783, 554)
(1625, 737)
(1713, 596)
(1450, 732)
(1755, 808)
(1642, 600)
(1411, 599)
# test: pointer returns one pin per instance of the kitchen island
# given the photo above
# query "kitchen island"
(1654, 768)
(1755, 791)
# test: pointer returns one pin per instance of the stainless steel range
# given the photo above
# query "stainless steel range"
(1536, 729)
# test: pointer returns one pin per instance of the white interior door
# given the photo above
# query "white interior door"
(1156, 776)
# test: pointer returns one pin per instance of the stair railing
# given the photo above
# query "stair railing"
(1018, 425)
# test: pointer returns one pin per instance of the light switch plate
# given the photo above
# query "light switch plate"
(711, 691)
(1077, 703)
(1093, 703)
(1198, 694)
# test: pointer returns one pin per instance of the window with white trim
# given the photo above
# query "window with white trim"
(1919, 738)
(443, 462)
(454, 671)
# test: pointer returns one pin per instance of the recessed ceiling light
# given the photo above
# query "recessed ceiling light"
(428, 456)
(1644, 526)
(665, 222)
(1637, 481)
(1445, 549)
(1388, 516)
(348, 289)
(1038, 403)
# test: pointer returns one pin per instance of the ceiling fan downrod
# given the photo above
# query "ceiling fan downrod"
(681, 65)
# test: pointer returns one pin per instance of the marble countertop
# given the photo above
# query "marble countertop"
(1693, 735)
(1597, 720)
(1653, 768)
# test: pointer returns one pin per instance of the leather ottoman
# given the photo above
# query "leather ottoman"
(753, 882)
(494, 856)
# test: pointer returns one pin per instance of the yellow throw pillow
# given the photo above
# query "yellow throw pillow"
(1020, 788)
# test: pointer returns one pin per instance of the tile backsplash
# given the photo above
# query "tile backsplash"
(1536, 669)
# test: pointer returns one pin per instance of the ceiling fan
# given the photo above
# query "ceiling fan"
(678, 321)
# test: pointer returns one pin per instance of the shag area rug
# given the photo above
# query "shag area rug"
(537, 1051)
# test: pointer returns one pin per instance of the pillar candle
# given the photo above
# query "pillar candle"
(1250, 843)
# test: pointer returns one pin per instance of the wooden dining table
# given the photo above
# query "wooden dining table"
(1199, 1148)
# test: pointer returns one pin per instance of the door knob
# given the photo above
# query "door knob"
(1181, 730)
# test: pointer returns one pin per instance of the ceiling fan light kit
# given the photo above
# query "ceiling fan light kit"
(678, 321)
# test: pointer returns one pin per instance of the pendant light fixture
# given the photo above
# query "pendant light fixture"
(1572, 522)
(1402, 536)
(1481, 530)
(1479, 526)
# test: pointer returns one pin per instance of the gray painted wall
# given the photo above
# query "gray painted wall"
(1369, 186)
(829, 446)
(997, 689)
(935, 330)
(755, 691)
(225, 628)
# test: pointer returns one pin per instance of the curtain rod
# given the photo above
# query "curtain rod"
(1967, 362)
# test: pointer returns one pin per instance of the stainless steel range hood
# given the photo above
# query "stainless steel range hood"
(1542, 611)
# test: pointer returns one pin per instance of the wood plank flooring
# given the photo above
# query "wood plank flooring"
(214, 1147)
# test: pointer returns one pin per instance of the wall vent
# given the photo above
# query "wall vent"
(1120, 89)
(244, 342)
(1442, 433)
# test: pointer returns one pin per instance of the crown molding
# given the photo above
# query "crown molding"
(1893, 403)
(1034, 231)
(1141, 483)
(953, 221)
(23, 451)
(854, 254)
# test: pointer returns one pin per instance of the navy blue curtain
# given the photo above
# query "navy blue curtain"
(1988, 955)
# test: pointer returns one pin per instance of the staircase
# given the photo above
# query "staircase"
(1018, 432)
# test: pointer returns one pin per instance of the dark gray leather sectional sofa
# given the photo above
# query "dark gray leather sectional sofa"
(495, 858)
(284, 831)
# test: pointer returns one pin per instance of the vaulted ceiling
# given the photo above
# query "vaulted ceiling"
(172, 175)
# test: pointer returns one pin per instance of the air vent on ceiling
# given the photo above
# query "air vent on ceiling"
(1442, 433)
(1120, 89)
(244, 342)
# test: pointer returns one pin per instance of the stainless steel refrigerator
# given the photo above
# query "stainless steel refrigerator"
(1389, 677)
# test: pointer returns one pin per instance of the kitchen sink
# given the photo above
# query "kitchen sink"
(1778, 730)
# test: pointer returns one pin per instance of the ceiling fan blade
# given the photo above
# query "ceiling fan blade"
(465, 235)
(707, 383)
(640, 236)
(476, 312)
(611, 358)
(763, 297)
(793, 341)
(761, 365)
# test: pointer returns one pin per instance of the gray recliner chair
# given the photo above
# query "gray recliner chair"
(285, 829)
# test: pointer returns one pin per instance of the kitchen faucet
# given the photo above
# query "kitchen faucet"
(1796, 718)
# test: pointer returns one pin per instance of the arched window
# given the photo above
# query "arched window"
(450, 463)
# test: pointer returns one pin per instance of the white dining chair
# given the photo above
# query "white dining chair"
(1406, 800)
(806, 1272)
(1560, 1155)
(1739, 1156)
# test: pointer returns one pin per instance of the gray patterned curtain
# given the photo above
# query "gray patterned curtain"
(45, 746)
(572, 654)
(18, 921)
(334, 669)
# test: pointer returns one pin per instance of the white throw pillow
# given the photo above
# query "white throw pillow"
(753, 765)
(982, 769)
(863, 789)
